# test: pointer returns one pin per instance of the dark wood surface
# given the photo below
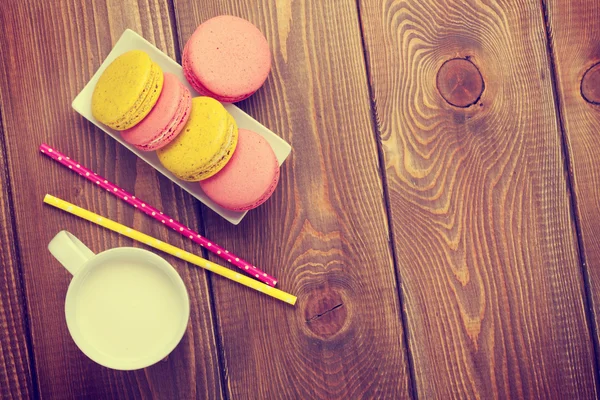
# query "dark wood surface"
(481, 217)
(68, 42)
(331, 252)
(15, 372)
(576, 35)
(425, 219)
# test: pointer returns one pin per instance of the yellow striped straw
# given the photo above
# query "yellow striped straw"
(170, 249)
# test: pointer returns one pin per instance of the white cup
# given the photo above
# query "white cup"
(126, 308)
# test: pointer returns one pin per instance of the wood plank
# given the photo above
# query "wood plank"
(15, 373)
(324, 233)
(49, 51)
(575, 37)
(481, 217)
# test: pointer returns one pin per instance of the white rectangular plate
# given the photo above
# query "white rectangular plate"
(132, 41)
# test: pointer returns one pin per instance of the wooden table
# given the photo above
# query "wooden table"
(439, 217)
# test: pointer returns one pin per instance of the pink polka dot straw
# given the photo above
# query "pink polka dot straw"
(158, 215)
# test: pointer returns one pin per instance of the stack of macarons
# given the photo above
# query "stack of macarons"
(226, 60)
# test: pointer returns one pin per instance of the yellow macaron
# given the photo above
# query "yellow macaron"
(127, 90)
(205, 144)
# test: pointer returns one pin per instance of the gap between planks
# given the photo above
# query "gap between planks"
(202, 230)
(386, 199)
(35, 387)
(592, 327)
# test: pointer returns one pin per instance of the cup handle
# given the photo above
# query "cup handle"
(69, 251)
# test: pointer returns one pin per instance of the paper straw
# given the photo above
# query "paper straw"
(157, 214)
(170, 249)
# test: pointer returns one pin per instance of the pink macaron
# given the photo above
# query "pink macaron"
(249, 178)
(227, 58)
(166, 119)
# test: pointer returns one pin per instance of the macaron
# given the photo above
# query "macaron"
(127, 90)
(226, 58)
(250, 177)
(205, 144)
(166, 119)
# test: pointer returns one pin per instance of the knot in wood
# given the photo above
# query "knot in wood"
(590, 84)
(325, 313)
(459, 82)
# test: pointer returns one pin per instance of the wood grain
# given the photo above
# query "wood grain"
(324, 232)
(576, 44)
(481, 217)
(49, 51)
(15, 373)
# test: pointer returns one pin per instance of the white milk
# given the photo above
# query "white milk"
(125, 310)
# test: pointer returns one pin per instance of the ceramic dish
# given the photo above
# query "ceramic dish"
(132, 41)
